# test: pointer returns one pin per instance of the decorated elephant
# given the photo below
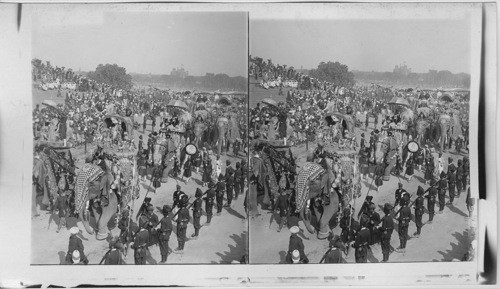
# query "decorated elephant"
(390, 149)
(94, 184)
(199, 130)
(445, 124)
(162, 155)
(50, 167)
(105, 189)
(222, 128)
(314, 181)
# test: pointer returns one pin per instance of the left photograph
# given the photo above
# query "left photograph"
(140, 136)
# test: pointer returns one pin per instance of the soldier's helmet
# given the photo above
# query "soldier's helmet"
(420, 191)
(198, 193)
(221, 177)
(442, 175)
(387, 208)
(183, 202)
(166, 209)
(372, 207)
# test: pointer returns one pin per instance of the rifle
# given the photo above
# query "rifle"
(105, 255)
(188, 207)
(427, 191)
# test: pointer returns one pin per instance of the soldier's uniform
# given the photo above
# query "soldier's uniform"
(229, 187)
(419, 210)
(182, 221)
(362, 241)
(219, 194)
(334, 253)
(114, 256)
(244, 173)
(345, 222)
(452, 183)
(141, 245)
(374, 220)
(152, 221)
(197, 211)
(237, 181)
(459, 175)
(177, 196)
(397, 195)
(123, 225)
(431, 201)
(404, 222)
(386, 229)
(442, 192)
(209, 202)
(465, 173)
(164, 232)
(143, 209)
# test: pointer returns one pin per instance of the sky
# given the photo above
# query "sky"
(154, 42)
(366, 45)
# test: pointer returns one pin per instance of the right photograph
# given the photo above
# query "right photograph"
(359, 139)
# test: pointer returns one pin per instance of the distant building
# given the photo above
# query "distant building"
(179, 72)
(401, 69)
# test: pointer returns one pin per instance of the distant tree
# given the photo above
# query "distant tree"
(113, 75)
(334, 72)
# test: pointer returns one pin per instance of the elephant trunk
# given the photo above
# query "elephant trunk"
(85, 221)
(307, 222)
(104, 216)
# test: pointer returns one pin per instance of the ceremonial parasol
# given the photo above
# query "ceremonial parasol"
(224, 101)
(177, 104)
(399, 101)
(446, 97)
(270, 101)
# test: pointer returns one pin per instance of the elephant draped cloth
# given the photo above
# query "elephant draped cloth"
(88, 174)
(309, 172)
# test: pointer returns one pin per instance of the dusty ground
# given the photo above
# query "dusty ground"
(223, 241)
(447, 238)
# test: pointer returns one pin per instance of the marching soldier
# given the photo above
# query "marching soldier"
(113, 256)
(403, 223)
(152, 222)
(197, 211)
(366, 205)
(141, 240)
(209, 202)
(244, 173)
(178, 194)
(237, 181)
(164, 232)
(458, 177)
(229, 187)
(182, 221)
(124, 225)
(465, 173)
(386, 229)
(373, 221)
(361, 241)
(419, 210)
(442, 192)
(431, 200)
(143, 209)
(346, 224)
(334, 253)
(398, 194)
(219, 194)
(296, 243)
(452, 183)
